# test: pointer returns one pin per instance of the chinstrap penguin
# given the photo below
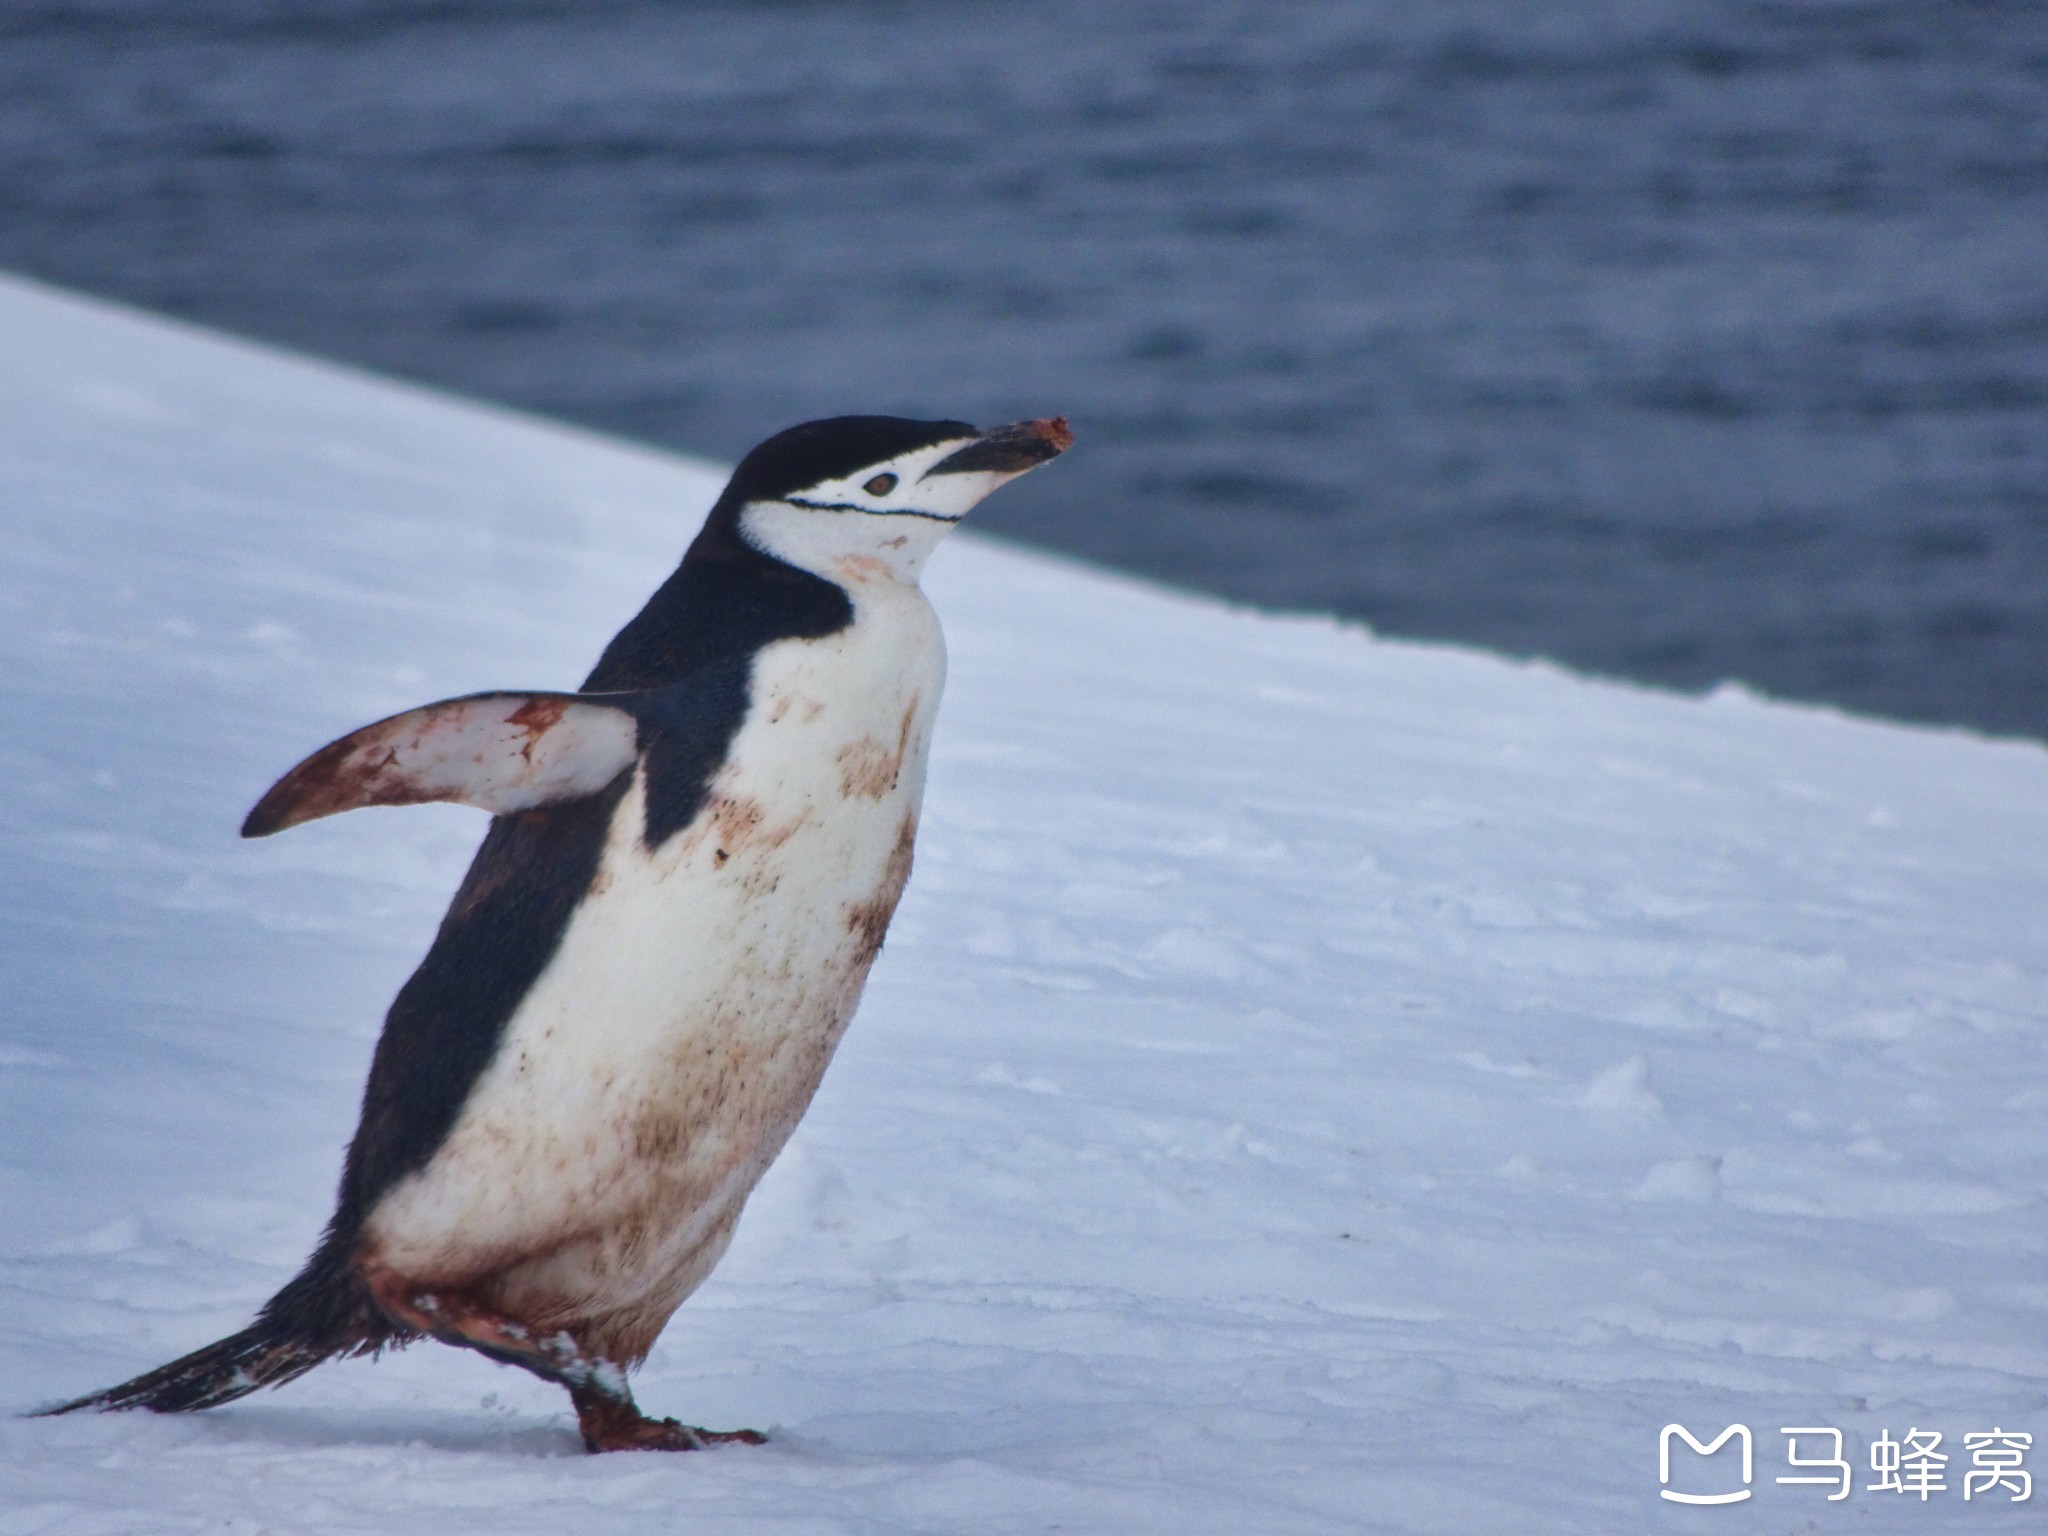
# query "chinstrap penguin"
(641, 979)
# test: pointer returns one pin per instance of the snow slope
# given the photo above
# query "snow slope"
(1314, 1084)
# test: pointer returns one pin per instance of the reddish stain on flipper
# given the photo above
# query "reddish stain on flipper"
(536, 717)
(500, 752)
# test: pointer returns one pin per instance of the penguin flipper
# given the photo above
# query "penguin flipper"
(501, 752)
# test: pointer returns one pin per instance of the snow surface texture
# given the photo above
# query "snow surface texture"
(1314, 1084)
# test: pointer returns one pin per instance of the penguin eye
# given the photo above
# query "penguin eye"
(881, 485)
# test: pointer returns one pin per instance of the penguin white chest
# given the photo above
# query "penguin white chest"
(661, 1060)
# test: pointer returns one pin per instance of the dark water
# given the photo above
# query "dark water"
(1677, 340)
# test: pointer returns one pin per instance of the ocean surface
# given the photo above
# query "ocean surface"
(1677, 341)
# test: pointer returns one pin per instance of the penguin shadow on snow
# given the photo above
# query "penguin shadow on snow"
(490, 1432)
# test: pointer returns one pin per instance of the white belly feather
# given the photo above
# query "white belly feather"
(660, 1062)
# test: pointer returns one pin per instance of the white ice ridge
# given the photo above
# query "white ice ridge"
(1315, 1084)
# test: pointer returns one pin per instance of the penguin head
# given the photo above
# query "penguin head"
(864, 498)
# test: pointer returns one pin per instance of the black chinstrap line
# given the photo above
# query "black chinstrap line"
(847, 506)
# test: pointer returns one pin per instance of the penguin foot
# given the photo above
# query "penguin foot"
(614, 1424)
(605, 1411)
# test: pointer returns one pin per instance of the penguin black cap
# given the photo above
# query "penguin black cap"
(827, 450)
(837, 446)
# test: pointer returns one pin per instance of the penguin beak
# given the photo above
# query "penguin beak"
(1008, 450)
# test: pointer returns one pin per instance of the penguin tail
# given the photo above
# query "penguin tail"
(220, 1373)
(323, 1314)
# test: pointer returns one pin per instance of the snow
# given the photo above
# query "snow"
(1314, 1084)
